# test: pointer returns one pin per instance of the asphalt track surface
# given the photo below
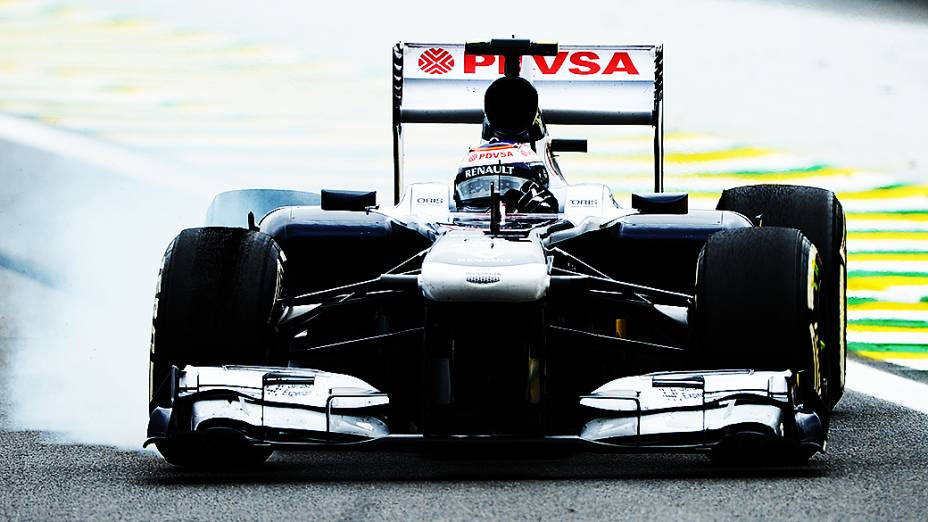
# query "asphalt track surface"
(875, 468)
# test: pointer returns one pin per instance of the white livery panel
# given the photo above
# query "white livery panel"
(469, 266)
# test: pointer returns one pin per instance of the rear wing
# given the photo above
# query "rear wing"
(580, 85)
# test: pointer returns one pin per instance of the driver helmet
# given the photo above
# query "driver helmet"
(513, 168)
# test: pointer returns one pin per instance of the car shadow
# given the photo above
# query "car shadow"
(365, 466)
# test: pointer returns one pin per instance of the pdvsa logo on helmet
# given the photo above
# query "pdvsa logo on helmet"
(436, 61)
(491, 154)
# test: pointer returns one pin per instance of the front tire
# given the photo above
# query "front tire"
(216, 303)
(215, 449)
(757, 308)
(756, 300)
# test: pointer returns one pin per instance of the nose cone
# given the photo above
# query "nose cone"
(468, 266)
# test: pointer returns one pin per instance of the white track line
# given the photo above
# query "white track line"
(884, 385)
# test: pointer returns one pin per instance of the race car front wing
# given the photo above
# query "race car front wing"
(670, 411)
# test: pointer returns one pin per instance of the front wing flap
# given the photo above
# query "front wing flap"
(700, 409)
(669, 411)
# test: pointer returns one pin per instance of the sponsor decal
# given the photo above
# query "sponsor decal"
(483, 278)
(490, 154)
(436, 61)
(582, 63)
(430, 201)
(480, 260)
(584, 202)
(498, 153)
(681, 394)
(488, 169)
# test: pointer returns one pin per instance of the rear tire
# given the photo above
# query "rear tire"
(818, 214)
(216, 303)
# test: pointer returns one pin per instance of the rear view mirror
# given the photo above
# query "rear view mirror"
(562, 145)
(661, 203)
(348, 200)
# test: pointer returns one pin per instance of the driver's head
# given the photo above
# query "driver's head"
(511, 167)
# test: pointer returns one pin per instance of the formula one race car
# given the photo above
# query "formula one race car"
(511, 306)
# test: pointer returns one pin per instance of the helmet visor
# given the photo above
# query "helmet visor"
(475, 192)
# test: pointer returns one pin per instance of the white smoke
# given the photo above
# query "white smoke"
(78, 311)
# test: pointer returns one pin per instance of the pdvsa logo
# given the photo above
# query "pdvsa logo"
(436, 61)
(493, 154)
(582, 63)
